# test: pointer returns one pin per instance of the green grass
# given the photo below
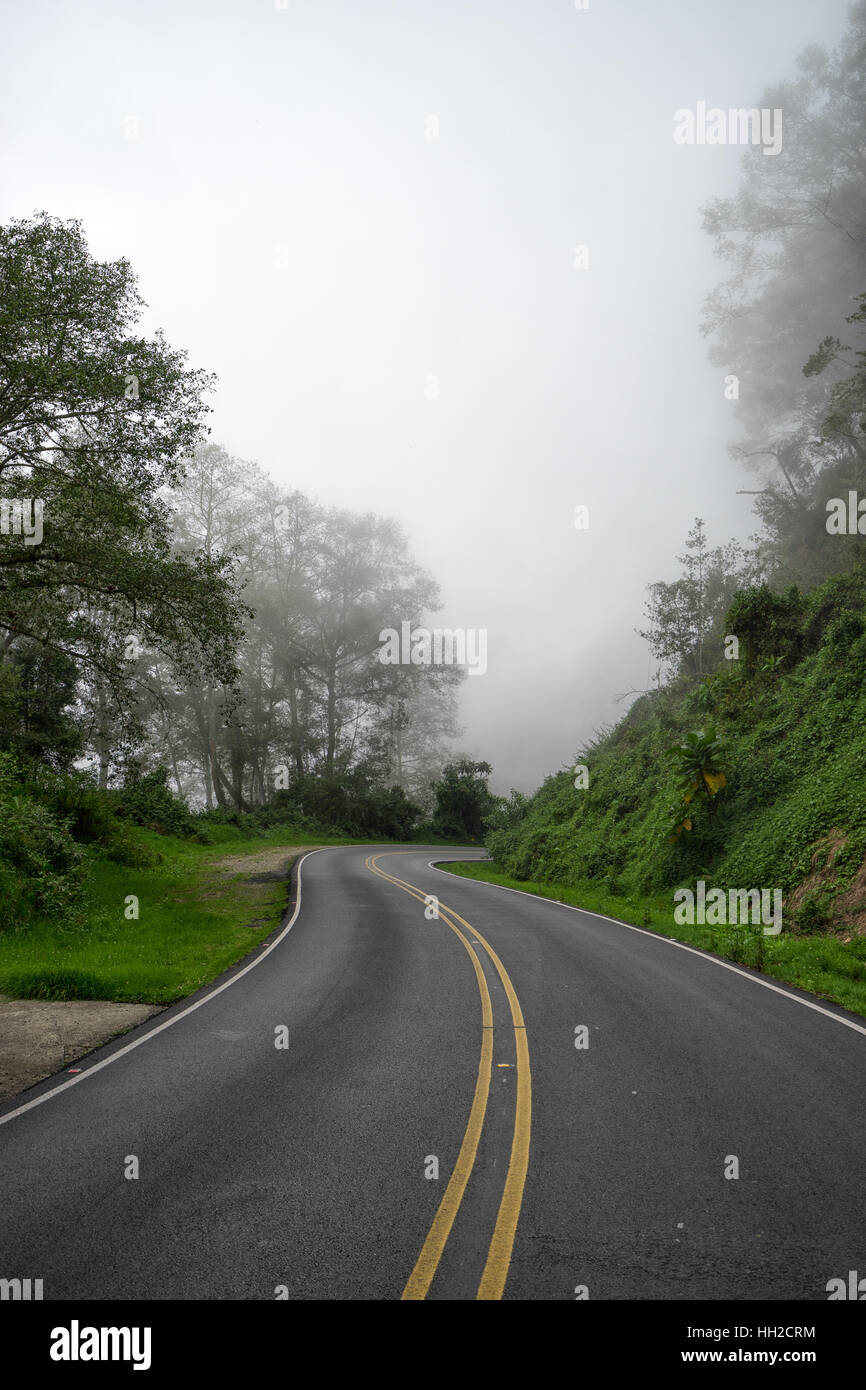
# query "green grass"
(822, 964)
(194, 922)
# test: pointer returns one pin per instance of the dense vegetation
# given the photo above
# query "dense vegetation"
(745, 765)
(789, 719)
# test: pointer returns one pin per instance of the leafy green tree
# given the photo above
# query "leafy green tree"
(463, 800)
(95, 422)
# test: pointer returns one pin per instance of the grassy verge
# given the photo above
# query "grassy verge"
(833, 969)
(196, 917)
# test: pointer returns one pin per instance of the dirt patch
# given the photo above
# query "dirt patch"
(849, 909)
(818, 896)
(276, 862)
(265, 866)
(39, 1037)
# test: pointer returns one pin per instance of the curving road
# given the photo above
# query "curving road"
(420, 1043)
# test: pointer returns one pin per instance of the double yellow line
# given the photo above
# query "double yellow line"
(495, 1272)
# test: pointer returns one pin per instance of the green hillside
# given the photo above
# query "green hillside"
(789, 717)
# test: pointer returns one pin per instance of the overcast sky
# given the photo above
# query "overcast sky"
(269, 172)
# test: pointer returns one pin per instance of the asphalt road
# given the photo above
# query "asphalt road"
(416, 1040)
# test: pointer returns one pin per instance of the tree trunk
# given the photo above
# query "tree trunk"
(331, 752)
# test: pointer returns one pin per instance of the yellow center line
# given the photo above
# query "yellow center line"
(495, 1273)
(420, 1279)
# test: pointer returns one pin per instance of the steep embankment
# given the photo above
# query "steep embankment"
(790, 715)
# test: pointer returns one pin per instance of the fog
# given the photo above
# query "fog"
(363, 218)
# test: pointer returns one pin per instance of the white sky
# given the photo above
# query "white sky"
(304, 128)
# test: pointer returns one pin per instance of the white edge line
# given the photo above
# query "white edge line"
(656, 936)
(169, 1022)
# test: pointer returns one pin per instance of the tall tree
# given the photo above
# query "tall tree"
(95, 423)
(794, 239)
(686, 613)
(463, 800)
(314, 698)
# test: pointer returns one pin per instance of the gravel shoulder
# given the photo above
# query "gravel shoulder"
(39, 1037)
